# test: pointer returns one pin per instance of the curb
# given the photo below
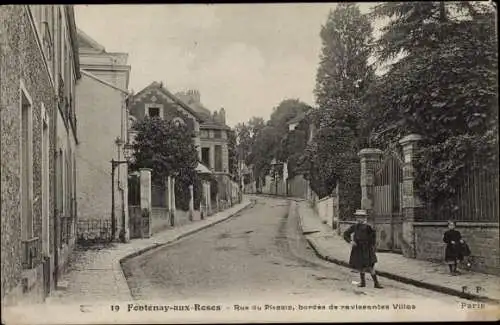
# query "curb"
(249, 204)
(282, 197)
(157, 245)
(434, 287)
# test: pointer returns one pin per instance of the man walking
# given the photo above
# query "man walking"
(362, 237)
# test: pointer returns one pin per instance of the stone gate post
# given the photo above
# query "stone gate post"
(145, 180)
(172, 198)
(370, 158)
(191, 202)
(412, 205)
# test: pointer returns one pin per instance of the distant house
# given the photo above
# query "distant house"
(213, 139)
(294, 122)
(155, 100)
(102, 115)
(39, 70)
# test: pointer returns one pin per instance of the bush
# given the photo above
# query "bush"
(185, 178)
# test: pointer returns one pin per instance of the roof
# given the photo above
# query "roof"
(214, 125)
(87, 42)
(83, 71)
(209, 121)
(202, 169)
(70, 15)
(175, 99)
(297, 119)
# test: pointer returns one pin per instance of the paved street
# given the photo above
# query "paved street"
(259, 253)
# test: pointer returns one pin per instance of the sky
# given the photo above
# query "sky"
(246, 58)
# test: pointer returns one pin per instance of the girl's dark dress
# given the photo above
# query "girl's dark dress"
(453, 252)
(363, 255)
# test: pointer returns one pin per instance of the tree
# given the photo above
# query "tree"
(169, 150)
(232, 153)
(344, 71)
(268, 140)
(442, 85)
(343, 77)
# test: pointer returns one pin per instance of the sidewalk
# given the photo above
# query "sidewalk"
(96, 275)
(434, 276)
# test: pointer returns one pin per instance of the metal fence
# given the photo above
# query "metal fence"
(476, 200)
(93, 231)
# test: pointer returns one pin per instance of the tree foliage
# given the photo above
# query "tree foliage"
(164, 147)
(344, 71)
(344, 74)
(442, 85)
(168, 149)
(260, 142)
(232, 153)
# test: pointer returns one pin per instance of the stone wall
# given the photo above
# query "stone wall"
(160, 219)
(20, 60)
(324, 208)
(181, 218)
(482, 238)
(298, 187)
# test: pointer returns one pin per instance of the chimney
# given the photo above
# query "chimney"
(194, 96)
(216, 116)
(222, 115)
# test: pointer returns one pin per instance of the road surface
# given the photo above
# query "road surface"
(260, 254)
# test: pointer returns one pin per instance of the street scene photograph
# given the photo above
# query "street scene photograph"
(249, 163)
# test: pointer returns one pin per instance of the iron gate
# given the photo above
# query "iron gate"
(387, 207)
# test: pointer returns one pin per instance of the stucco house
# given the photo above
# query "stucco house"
(101, 104)
(39, 69)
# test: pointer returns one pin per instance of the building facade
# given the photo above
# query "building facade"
(39, 68)
(157, 100)
(101, 104)
(213, 141)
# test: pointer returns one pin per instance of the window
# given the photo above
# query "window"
(26, 166)
(217, 134)
(154, 112)
(178, 121)
(205, 157)
(218, 158)
(204, 134)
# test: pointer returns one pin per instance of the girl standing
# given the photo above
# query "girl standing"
(362, 238)
(453, 251)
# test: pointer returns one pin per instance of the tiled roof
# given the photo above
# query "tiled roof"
(174, 98)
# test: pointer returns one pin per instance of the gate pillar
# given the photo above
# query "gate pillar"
(411, 205)
(370, 158)
(145, 180)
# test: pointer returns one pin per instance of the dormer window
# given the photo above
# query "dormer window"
(154, 110)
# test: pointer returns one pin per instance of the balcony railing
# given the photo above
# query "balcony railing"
(31, 253)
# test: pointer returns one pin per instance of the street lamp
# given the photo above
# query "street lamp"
(127, 153)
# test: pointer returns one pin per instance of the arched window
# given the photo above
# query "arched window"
(178, 121)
